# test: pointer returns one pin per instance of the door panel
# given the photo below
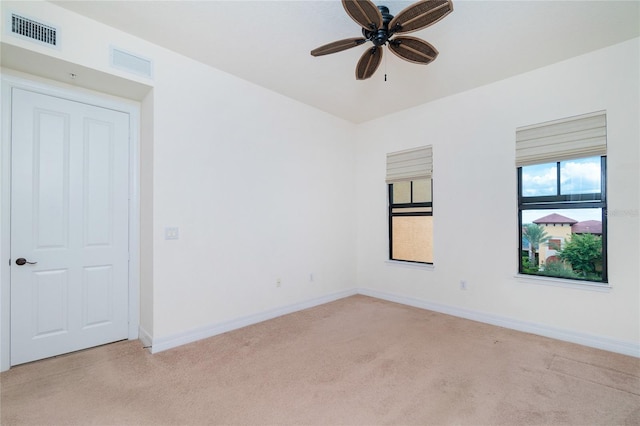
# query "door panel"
(51, 179)
(69, 214)
(50, 303)
(97, 298)
(98, 193)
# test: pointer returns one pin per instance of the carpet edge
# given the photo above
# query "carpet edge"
(172, 341)
(594, 341)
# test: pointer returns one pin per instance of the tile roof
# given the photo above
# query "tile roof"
(555, 218)
(587, 227)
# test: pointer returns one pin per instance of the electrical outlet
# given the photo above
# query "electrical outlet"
(311, 277)
(278, 282)
(463, 285)
(171, 233)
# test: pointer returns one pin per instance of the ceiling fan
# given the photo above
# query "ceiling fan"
(379, 26)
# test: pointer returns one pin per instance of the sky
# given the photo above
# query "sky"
(581, 176)
(576, 176)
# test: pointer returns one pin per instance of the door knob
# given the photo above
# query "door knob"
(21, 261)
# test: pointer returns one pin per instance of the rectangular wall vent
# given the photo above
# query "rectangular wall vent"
(130, 62)
(34, 30)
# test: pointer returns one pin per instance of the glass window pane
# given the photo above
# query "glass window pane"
(401, 192)
(580, 176)
(422, 191)
(412, 238)
(540, 179)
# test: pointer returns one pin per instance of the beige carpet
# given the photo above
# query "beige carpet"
(356, 361)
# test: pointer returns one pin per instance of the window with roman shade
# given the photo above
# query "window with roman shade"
(409, 181)
(561, 168)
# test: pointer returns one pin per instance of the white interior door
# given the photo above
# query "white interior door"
(69, 223)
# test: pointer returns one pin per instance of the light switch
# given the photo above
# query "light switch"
(171, 233)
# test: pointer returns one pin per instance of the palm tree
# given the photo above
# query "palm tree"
(535, 235)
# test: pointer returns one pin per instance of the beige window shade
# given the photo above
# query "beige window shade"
(574, 137)
(410, 164)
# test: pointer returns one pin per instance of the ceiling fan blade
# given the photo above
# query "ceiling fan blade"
(368, 63)
(420, 15)
(413, 49)
(364, 12)
(338, 46)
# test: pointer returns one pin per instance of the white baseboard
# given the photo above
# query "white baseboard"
(144, 337)
(599, 342)
(594, 341)
(179, 339)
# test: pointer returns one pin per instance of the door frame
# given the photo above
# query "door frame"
(51, 88)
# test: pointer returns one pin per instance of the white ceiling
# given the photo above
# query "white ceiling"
(268, 43)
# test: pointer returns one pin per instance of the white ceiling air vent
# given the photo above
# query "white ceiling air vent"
(33, 30)
(130, 62)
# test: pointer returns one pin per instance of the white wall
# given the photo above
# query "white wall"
(261, 187)
(475, 211)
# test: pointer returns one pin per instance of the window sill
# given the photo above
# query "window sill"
(411, 265)
(559, 282)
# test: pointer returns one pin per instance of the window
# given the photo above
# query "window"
(555, 244)
(562, 198)
(410, 205)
